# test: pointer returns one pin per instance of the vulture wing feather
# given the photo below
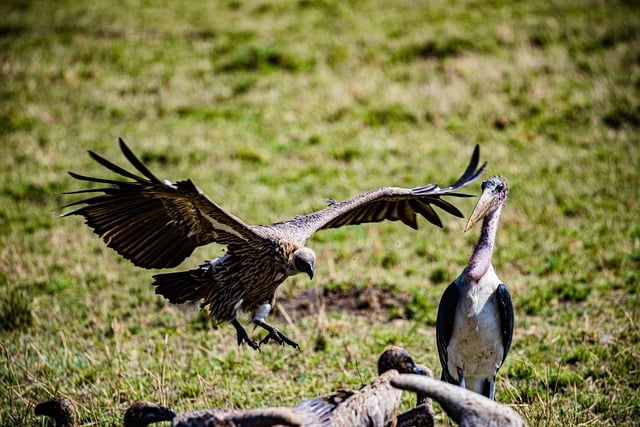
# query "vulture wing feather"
(152, 223)
(392, 204)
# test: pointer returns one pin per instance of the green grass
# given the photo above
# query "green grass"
(272, 107)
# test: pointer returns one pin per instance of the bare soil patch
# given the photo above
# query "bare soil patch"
(373, 299)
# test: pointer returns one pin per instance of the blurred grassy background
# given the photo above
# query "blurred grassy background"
(271, 107)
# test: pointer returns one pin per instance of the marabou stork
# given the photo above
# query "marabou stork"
(474, 325)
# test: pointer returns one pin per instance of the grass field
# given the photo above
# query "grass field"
(273, 106)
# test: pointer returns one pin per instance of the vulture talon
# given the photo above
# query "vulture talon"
(243, 336)
(251, 343)
(280, 338)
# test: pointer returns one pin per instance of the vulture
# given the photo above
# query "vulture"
(158, 223)
(60, 409)
(141, 414)
(218, 417)
(422, 415)
(375, 404)
(463, 406)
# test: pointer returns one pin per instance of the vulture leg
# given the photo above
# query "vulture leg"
(243, 336)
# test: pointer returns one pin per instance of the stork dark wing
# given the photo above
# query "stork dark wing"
(154, 224)
(505, 308)
(393, 204)
(444, 327)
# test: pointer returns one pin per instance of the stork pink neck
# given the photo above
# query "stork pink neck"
(481, 258)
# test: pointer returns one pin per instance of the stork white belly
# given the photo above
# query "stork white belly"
(476, 342)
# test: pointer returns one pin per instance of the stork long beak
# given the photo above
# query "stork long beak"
(482, 207)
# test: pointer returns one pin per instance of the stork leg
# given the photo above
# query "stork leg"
(461, 382)
(259, 319)
(492, 389)
(243, 336)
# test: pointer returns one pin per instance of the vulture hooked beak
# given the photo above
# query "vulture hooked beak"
(308, 268)
(160, 413)
(304, 260)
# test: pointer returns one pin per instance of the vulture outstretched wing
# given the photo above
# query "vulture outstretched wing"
(392, 204)
(157, 224)
(153, 223)
(465, 407)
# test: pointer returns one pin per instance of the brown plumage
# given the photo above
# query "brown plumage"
(215, 417)
(157, 224)
(465, 407)
(140, 414)
(262, 417)
(422, 415)
(61, 409)
(376, 404)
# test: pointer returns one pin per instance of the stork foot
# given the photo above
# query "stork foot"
(243, 336)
